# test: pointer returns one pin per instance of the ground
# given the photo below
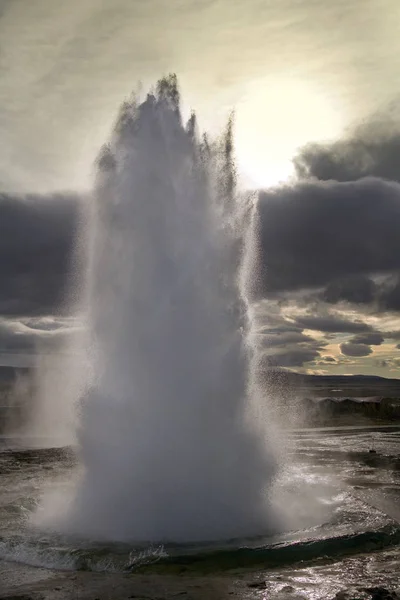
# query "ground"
(364, 577)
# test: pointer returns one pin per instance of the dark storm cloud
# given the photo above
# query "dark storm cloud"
(331, 324)
(36, 240)
(351, 349)
(360, 344)
(277, 326)
(358, 289)
(364, 291)
(316, 233)
(325, 236)
(388, 296)
(337, 231)
(291, 357)
(285, 338)
(371, 149)
(282, 342)
(370, 339)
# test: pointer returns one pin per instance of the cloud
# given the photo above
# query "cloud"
(36, 240)
(273, 339)
(46, 324)
(362, 290)
(390, 363)
(372, 148)
(332, 238)
(388, 296)
(328, 359)
(373, 338)
(18, 336)
(317, 233)
(358, 289)
(291, 357)
(281, 342)
(382, 363)
(331, 324)
(352, 349)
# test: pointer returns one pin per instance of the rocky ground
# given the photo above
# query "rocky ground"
(366, 577)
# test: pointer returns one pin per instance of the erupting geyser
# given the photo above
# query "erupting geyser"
(167, 439)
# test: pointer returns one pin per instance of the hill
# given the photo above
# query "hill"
(332, 385)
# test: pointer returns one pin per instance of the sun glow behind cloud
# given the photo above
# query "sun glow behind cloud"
(274, 118)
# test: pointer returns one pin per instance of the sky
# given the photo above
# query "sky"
(315, 89)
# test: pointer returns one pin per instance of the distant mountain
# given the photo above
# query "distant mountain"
(332, 385)
(290, 382)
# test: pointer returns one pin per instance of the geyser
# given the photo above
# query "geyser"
(170, 443)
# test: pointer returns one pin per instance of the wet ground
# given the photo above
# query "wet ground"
(339, 492)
